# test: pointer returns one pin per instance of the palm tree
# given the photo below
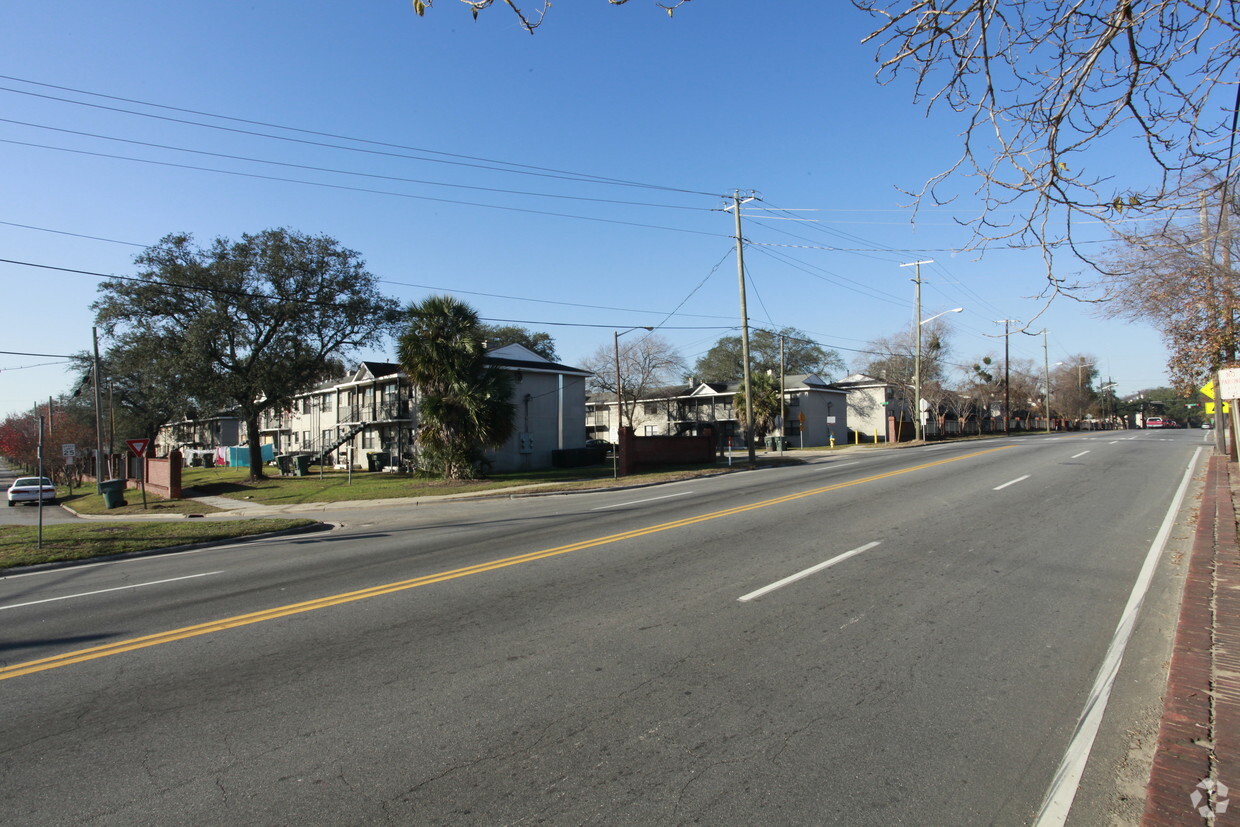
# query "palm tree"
(466, 405)
(765, 403)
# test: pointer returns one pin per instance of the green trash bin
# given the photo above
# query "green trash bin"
(301, 465)
(113, 492)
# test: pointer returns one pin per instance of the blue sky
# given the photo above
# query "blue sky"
(471, 181)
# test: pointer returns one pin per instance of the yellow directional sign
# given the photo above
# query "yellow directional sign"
(1207, 390)
(1210, 408)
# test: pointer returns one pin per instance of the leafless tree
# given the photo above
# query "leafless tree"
(1072, 385)
(1045, 85)
(532, 20)
(1180, 278)
(647, 365)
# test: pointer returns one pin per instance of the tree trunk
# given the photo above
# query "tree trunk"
(253, 439)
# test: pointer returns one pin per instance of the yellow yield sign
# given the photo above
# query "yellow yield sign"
(1208, 391)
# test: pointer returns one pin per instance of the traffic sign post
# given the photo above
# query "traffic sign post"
(1225, 388)
(69, 452)
(138, 446)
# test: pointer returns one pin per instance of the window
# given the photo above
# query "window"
(651, 408)
(368, 438)
(794, 400)
(305, 438)
(650, 430)
(326, 403)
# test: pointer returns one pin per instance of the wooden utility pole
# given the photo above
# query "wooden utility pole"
(740, 275)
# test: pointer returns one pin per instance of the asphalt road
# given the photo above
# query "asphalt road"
(26, 513)
(618, 658)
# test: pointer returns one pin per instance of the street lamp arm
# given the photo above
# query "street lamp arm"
(944, 313)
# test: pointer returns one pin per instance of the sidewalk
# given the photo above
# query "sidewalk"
(1197, 757)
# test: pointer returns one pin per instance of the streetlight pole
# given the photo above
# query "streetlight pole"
(615, 465)
(919, 324)
(916, 265)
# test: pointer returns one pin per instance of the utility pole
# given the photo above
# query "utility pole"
(1046, 366)
(783, 428)
(916, 265)
(94, 335)
(740, 275)
(41, 480)
(1007, 373)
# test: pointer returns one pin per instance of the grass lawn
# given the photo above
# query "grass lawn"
(76, 541)
(336, 487)
(84, 500)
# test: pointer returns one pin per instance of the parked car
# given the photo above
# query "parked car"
(1154, 422)
(31, 490)
(1207, 425)
(598, 443)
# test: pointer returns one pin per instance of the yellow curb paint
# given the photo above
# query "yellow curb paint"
(121, 646)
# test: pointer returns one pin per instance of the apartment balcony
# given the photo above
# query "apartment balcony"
(389, 411)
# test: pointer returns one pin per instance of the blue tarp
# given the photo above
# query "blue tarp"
(239, 456)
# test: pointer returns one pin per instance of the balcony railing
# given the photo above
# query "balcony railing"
(374, 412)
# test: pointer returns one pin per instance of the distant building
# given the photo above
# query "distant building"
(815, 411)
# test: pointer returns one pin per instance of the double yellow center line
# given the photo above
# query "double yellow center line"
(120, 646)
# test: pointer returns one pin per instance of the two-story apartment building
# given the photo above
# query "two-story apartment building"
(815, 409)
(369, 417)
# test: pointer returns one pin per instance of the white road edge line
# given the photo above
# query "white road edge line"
(807, 572)
(1074, 456)
(1013, 482)
(105, 591)
(1067, 779)
(636, 502)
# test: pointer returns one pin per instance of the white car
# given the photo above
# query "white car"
(31, 490)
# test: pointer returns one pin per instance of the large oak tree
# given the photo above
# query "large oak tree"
(246, 324)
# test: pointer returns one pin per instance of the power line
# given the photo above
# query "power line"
(514, 168)
(290, 300)
(347, 188)
(312, 168)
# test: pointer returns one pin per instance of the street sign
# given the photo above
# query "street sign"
(1207, 390)
(1212, 407)
(138, 446)
(1229, 383)
(68, 450)
(801, 417)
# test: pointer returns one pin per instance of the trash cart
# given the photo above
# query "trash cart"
(113, 492)
(301, 465)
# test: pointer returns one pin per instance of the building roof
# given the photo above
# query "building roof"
(520, 357)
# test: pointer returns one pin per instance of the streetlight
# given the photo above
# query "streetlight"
(916, 279)
(615, 467)
(917, 363)
(1079, 367)
(1080, 382)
